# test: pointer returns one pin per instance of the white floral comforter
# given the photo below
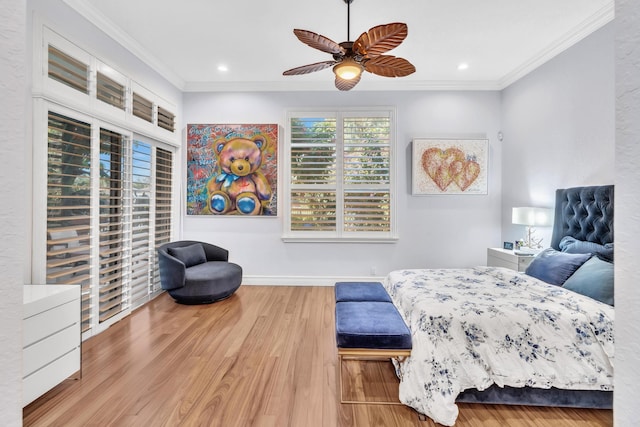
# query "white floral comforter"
(475, 327)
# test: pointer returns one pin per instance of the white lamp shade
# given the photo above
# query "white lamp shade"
(535, 217)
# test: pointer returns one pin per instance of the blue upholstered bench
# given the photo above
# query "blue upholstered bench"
(369, 328)
(361, 291)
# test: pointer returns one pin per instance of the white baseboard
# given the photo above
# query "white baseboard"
(305, 280)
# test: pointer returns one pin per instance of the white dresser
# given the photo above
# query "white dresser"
(51, 337)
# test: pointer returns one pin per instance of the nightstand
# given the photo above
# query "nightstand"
(497, 257)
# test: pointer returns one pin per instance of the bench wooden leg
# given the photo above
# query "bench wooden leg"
(365, 355)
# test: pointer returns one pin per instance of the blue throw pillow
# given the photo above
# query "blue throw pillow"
(573, 246)
(593, 279)
(555, 267)
(189, 255)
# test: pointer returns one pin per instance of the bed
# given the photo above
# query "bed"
(494, 335)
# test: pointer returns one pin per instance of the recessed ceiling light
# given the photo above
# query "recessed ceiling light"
(463, 66)
(222, 68)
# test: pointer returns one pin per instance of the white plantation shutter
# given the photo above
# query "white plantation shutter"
(141, 223)
(313, 174)
(166, 119)
(142, 107)
(69, 208)
(163, 197)
(367, 174)
(114, 225)
(341, 175)
(67, 70)
(110, 91)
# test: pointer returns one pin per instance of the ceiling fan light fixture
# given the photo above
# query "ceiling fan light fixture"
(351, 58)
(348, 69)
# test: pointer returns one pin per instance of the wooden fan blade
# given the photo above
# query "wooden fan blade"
(380, 39)
(344, 84)
(389, 66)
(310, 68)
(319, 42)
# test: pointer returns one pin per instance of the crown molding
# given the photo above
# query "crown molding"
(600, 18)
(291, 86)
(120, 36)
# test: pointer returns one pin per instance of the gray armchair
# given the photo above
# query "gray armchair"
(197, 272)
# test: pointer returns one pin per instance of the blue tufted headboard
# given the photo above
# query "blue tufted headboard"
(585, 213)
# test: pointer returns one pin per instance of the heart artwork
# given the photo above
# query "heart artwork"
(450, 165)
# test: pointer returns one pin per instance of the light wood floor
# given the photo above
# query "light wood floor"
(264, 357)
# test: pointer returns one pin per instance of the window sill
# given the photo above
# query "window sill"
(307, 239)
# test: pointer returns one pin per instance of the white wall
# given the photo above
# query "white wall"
(435, 231)
(627, 209)
(13, 87)
(559, 128)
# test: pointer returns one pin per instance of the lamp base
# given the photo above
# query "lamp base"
(530, 241)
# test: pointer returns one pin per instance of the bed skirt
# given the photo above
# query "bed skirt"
(539, 397)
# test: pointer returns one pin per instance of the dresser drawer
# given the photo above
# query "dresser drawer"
(51, 348)
(49, 322)
(43, 380)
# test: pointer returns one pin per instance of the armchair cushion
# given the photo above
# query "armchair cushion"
(190, 255)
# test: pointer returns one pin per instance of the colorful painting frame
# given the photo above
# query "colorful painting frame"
(212, 189)
(450, 166)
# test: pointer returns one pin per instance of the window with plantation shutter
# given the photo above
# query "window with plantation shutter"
(108, 197)
(166, 119)
(69, 207)
(68, 70)
(341, 176)
(110, 91)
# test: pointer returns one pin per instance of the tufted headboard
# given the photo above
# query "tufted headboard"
(585, 213)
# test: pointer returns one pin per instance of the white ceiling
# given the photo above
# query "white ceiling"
(186, 41)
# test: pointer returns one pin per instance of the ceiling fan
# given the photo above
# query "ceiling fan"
(350, 58)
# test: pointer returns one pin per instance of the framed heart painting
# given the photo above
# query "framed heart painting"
(450, 166)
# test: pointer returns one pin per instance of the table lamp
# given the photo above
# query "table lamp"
(532, 217)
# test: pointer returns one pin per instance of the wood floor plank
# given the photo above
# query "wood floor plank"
(265, 357)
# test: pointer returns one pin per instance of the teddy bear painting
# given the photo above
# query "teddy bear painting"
(232, 169)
